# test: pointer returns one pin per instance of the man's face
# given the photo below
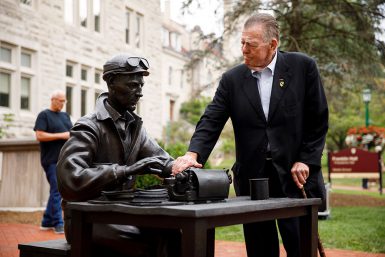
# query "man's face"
(57, 102)
(257, 53)
(126, 90)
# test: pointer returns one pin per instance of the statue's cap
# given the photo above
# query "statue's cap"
(126, 64)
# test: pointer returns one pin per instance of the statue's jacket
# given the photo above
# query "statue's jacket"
(93, 158)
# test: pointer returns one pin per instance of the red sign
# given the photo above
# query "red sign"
(353, 160)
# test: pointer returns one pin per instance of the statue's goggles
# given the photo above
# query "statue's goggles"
(128, 66)
(138, 61)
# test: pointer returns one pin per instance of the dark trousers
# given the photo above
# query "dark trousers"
(53, 213)
(261, 238)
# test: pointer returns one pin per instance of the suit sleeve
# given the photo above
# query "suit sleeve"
(316, 116)
(211, 123)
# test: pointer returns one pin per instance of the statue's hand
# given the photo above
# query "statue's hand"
(149, 165)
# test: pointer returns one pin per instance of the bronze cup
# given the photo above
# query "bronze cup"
(259, 188)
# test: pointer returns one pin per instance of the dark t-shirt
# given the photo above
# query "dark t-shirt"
(52, 122)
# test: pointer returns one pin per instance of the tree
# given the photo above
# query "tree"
(192, 110)
(340, 35)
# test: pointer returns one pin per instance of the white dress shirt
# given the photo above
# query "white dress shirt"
(265, 84)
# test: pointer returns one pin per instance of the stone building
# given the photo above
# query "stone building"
(63, 44)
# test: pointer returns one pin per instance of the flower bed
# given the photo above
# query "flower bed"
(371, 138)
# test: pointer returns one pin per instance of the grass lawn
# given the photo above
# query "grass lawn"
(359, 228)
(352, 228)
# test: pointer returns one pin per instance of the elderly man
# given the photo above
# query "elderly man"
(52, 130)
(105, 151)
(279, 113)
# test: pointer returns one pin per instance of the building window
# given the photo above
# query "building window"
(69, 97)
(134, 28)
(17, 76)
(83, 103)
(165, 37)
(26, 2)
(69, 11)
(6, 54)
(181, 78)
(25, 93)
(83, 87)
(138, 32)
(172, 106)
(169, 75)
(96, 12)
(83, 75)
(128, 16)
(83, 11)
(17, 66)
(96, 95)
(5, 86)
(98, 75)
(26, 60)
(69, 70)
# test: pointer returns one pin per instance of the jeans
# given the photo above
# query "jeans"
(53, 212)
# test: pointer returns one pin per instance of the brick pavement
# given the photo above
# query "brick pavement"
(13, 234)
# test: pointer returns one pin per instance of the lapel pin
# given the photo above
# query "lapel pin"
(281, 83)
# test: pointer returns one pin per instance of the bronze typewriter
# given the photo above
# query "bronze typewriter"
(198, 185)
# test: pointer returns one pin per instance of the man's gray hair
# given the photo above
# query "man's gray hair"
(268, 21)
(57, 93)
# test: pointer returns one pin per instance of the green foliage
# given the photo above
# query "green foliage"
(340, 35)
(347, 28)
(177, 132)
(175, 150)
(178, 149)
(227, 140)
(147, 180)
(7, 120)
(192, 110)
(339, 123)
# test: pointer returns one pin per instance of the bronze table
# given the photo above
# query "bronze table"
(197, 221)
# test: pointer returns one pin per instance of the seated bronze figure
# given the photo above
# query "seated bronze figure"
(105, 152)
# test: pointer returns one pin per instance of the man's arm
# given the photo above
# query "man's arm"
(43, 136)
(207, 131)
(315, 127)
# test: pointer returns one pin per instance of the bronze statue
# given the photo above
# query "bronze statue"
(105, 152)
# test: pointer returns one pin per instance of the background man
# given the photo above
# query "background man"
(279, 114)
(51, 128)
(107, 148)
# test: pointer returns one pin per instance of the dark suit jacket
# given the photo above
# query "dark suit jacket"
(296, 127)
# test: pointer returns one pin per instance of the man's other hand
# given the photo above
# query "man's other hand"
(300, 172)
(184, 162)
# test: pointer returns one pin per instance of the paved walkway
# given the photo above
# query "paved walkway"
(13, 234)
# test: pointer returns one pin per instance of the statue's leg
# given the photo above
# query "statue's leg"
(135, 242)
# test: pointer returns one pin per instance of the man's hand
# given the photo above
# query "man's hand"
(300, 172)
(186, 161)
